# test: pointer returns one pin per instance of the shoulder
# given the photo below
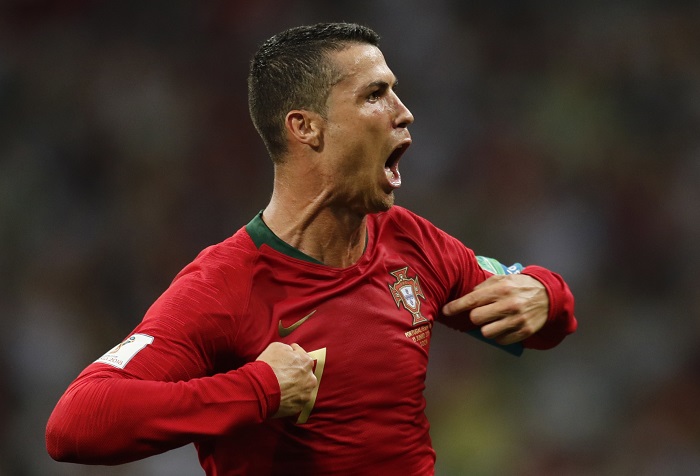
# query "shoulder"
(399, 227)
(399, 218)
(232, 253)
(225, 266)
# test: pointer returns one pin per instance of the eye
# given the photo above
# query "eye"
(374, 96)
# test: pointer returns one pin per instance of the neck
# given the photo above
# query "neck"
(306, 221)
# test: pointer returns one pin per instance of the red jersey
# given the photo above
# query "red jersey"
(188, 373)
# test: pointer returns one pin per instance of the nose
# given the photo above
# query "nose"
(403, 116)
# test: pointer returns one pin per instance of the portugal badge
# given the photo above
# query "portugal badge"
(406, 291)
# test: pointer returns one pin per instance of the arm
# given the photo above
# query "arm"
(534, 307)
(159, 390)
(560, 320)
(510, 307)
(106, 417)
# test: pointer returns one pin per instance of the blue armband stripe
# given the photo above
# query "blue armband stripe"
(515, 349)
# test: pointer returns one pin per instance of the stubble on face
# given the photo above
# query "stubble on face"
(361, 109)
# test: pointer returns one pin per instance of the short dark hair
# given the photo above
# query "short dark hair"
(292, 70)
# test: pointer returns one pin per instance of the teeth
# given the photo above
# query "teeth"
(393, 177)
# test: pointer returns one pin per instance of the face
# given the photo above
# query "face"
(365, 132)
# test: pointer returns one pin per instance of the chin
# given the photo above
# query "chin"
(374, 203)
(383, 205)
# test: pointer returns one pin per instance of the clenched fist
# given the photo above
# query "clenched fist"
(294, 370)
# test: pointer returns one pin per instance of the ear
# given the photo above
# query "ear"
(304, 127)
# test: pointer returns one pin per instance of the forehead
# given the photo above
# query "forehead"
(361, 64)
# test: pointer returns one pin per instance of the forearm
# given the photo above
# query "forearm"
(104, 418)
(560, 320)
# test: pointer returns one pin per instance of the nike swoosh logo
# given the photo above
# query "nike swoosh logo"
(285, 331)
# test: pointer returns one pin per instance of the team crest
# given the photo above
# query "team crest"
(407, 291)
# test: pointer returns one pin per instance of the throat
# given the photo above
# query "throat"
(326, 237)
(337, 250)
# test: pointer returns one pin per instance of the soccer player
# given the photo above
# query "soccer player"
(300, 344)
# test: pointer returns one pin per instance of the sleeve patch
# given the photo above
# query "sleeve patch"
(120, 355)
(495, 267)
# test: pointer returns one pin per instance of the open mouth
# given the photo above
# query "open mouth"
(391, 166)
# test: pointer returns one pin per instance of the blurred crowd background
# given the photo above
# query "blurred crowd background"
(565, 134)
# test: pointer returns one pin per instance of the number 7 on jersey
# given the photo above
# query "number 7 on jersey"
(320, 357)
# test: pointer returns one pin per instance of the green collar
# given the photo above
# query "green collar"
(261, 234)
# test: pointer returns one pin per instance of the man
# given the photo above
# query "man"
(300, 344)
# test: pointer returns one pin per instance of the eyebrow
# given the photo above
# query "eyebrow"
(381, 84)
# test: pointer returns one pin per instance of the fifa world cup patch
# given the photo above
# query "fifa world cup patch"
(494, 266)
(120, 355)
(407, 292)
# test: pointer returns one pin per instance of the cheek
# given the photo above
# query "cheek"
(356, 147)
(357, 142)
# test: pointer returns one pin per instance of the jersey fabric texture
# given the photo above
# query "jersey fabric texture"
(367, 326)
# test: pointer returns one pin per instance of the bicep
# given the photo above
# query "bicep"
(181, 337)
